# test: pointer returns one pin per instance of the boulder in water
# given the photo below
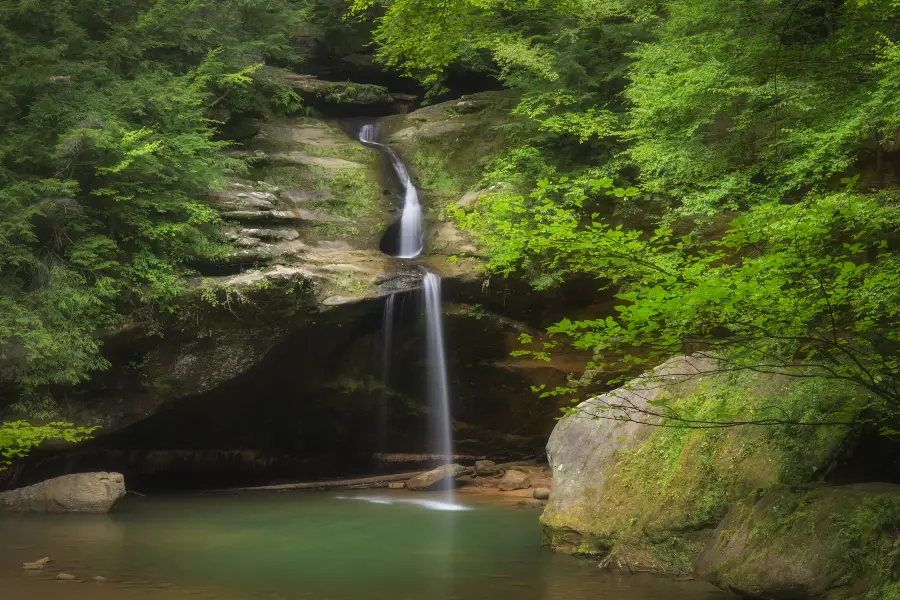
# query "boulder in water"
(81, 492)
(514, 480)
(440, 477)
(487, 468)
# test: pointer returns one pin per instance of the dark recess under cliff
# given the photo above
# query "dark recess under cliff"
(315, 407)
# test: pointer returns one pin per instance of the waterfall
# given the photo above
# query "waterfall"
(411, 238)
(411, 243)
(438, 387)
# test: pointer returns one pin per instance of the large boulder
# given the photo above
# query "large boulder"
(646, 497)
(795, 543)
(441, 477)
(79, 493)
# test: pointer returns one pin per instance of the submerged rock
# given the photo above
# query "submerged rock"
(443, 475)
(82, 492)
(514, 480)
(36, 565)
(65, 577)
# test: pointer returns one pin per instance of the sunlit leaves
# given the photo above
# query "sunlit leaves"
(17, 438)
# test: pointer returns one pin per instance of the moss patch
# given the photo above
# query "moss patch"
(352, 193)
(808, 541)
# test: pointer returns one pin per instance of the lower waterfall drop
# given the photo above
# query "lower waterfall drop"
(438, 385)
(387, 342)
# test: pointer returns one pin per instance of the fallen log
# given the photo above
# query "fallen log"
(359, 483)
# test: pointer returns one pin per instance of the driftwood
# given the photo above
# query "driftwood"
(361, 483)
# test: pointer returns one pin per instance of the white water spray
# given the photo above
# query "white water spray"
(411, 239)
(430, 504)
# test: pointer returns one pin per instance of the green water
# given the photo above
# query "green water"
(323, 546)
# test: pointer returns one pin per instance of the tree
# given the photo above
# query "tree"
(734, 192)
(109, 144)
(109, 140)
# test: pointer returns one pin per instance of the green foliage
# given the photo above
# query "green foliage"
(18, 437)
(725, 168)
(109, 117)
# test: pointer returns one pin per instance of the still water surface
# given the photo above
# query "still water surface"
(308, 545)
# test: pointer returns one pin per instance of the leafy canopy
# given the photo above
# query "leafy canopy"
(109, 117)
(725, 168)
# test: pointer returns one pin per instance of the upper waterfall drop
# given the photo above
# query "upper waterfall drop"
(412, 240)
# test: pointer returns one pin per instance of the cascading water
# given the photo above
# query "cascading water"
(411, 244)
(411, 238)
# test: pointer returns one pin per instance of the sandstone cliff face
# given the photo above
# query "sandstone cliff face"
(274, 367)
(306, 224)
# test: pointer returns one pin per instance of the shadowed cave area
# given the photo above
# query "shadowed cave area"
(317, 407)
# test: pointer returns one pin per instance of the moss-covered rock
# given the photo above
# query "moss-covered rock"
(650, 497)
(784, 542)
